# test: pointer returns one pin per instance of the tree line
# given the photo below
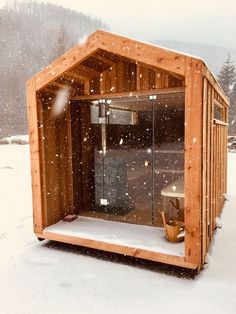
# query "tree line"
(227, 80)
(31, 36)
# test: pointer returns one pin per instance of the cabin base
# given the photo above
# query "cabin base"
(139, 241)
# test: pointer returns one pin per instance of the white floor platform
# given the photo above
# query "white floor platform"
(135, 236)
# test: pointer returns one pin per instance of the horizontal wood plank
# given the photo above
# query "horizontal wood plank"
(149, 54)
(160, 91)
(66, 62)
(115, 248)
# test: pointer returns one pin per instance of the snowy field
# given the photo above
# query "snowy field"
(45, 277)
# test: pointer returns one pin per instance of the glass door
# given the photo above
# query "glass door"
(124, 159)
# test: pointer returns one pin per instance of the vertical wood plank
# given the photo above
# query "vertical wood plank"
(52, 162)
(70, 202)
(211, 98)
(213, 199)
(158, 80)
(102, 83)
(40, 110)
(193, 160)
(77, 170)
(209, 152)
(204, 172)
(113, 88)
(35, 156)
(87, 88)
(87, 156)
(133, 76)
(138, 79)
(120, 76)
(144, 78)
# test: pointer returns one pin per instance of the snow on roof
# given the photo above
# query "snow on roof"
(168, 50)
(156, 46)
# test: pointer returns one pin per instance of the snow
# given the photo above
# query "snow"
(15, 139)
(48, 277)
(218, 222)
(61, 101)
(130, 235)
(82, 40)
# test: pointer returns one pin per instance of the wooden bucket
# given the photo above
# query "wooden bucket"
(173, 229)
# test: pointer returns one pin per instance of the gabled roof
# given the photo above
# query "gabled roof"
(129, 48)
(150, 54)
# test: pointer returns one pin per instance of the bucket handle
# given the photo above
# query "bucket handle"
(163, 215)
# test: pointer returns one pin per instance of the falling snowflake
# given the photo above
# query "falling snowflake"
(61, 101)
(82, 40)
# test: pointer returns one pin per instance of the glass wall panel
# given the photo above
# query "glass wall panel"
(169, 156)
(129, 152)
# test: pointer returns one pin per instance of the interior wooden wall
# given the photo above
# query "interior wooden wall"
(82, 156)
(214, 184)
(127, 77)
(56, 161)
(64, 188)
(104, 76)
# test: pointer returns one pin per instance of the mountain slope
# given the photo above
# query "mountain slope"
(212, 55)
(32, 35)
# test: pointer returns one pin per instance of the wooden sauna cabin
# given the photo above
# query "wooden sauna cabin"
(120, 132)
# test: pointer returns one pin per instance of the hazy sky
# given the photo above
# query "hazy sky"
(204, 21)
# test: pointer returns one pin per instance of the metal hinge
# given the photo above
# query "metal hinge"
(152, 97)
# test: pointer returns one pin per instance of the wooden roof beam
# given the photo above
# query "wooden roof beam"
(76, 77)
(146, 53)
(86, 72)
(47, 91)
(162, 91)
(67, 61)
(105, 60)
(59, 85)
(155, 69)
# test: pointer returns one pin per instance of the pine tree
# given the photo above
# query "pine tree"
(227, 75)
(227, 80)
(62, 42)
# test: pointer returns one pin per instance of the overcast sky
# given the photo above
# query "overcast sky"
(201, 21)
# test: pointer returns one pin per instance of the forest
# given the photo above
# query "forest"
(32, 35)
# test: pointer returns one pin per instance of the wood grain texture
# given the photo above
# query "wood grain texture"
(193, 161)
(34, 156)
(126, 68)
(145, 53)
(66, 62)
(205, 148)
(135, 252)
(161, 91)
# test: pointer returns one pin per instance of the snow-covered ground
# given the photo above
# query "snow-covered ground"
(45, 277)
(15, 139)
